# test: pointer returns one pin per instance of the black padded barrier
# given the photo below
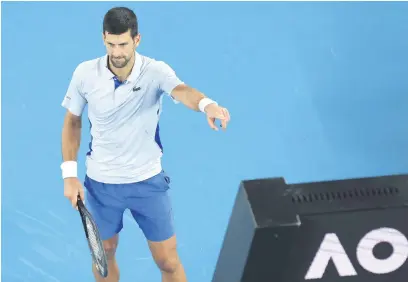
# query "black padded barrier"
(352, 230)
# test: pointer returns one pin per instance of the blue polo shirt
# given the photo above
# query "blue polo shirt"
(124, 117)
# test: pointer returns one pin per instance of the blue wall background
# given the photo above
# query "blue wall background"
(316, 91)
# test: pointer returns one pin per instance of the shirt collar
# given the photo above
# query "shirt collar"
(134, 74)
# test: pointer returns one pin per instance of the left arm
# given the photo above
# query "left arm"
(192, 98)
(188, 96)
(197, 101)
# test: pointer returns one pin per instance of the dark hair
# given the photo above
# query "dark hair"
(119, 20)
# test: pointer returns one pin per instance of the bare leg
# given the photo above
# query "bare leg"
(110, 246)
(166, 257)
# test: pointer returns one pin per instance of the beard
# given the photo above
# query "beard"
(119, 62)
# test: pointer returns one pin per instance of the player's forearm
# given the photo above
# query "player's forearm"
(189, 96)
(71, 138)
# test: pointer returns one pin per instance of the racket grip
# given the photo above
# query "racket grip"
(79, 201)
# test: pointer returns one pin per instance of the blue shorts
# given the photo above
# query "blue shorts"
(148, 202)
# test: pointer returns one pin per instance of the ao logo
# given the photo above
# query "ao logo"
(332, 249)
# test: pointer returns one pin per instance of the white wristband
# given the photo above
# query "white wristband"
(204, 103)
(69, 169)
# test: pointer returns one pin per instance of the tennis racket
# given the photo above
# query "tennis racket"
(94, 239)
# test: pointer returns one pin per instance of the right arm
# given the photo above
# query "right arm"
(74, 101)
(71, 137)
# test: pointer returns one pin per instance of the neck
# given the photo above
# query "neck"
(122, 73)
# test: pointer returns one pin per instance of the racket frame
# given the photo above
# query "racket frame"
(101, 266)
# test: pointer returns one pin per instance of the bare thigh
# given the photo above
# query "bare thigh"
(165, 254)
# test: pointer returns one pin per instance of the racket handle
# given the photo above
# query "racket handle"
(79, 201)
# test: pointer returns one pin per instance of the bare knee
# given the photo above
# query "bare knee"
(165, 255)
(168, 264)
(110, 247)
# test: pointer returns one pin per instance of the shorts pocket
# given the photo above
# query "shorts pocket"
(160, 182)
(166, 178)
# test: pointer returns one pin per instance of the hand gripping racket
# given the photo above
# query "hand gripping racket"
(94, 239)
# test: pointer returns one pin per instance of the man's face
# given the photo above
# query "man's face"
(120, 48)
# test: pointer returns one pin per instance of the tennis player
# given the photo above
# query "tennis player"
(124, 91)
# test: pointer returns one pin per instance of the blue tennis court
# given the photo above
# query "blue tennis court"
(316, 91)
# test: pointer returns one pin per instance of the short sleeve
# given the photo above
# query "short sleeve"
(74, 100)
(168, 79)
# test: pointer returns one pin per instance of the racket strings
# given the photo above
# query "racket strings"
(93, 239)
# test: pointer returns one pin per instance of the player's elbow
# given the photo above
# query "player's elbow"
(72, 121)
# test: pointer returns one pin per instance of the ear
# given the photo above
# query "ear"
(103, 38)
(136, 40)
